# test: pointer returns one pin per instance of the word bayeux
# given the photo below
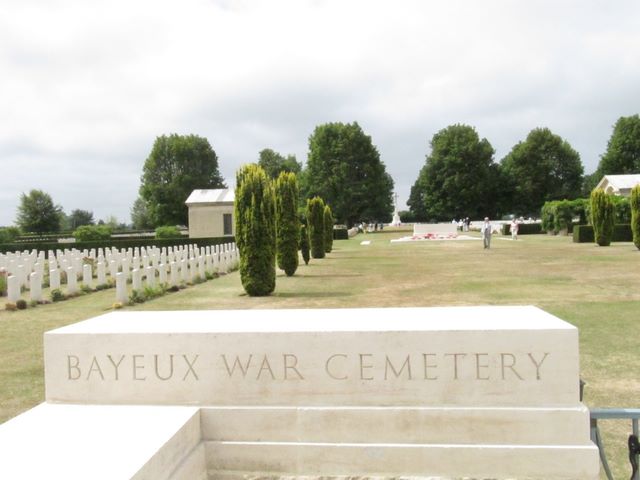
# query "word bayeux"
(370, 366)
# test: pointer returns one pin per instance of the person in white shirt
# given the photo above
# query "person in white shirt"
(514, 229)
(485, 230)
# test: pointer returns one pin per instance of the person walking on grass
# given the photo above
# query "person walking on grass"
(514, 229)
(485, 231)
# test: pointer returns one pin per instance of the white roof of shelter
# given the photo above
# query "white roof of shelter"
(620, 182)
(220, 195)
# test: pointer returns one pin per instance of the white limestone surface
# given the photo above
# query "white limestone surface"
(80, 442)
(464, 356)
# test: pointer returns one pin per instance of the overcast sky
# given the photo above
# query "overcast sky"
(87, 86)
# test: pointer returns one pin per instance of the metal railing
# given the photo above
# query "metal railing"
(632, 414)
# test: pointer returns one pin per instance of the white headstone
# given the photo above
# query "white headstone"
(72, 281)
(54, 279)
(151, 276)
(201, 269)
(102, 274)
(173, 276)
(193, 268)
(184, 270)
(87, 276)
(13, 288)
(35, 286)
(136, 279)
(162, 273)
(113, 268)
(121, 288)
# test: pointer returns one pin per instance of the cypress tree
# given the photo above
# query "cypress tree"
(328, 229)
(255, 230)
(635, 215)
(304, 243)
(287, 224)
(603, 217)
(315, 220)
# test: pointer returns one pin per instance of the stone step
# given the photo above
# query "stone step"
(421, 425)
(247, 459)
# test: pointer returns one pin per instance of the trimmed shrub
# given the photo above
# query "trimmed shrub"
(128, 243)
(547, 217)
(315, 221)
(3, 283)
(328, 229)
(406, 217)
(9, 234)
(603, 216)
(168, 232)
(304, 243)
(523, 229)
(255, 230)
(287, 224)
(635, 214)
(57, 295)
(87, 233)
(21, 304)
(584, 233)
(623, 209)
(340, 232)
(563, 216)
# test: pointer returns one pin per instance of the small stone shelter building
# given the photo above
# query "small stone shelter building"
(619, 184)
(211, 213)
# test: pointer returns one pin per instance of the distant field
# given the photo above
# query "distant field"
(594, 288)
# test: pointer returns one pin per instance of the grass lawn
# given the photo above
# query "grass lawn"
(594, 288)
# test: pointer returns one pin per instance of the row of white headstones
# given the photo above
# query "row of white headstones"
(170, 266)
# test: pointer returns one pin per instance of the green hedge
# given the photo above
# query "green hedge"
(584, 233)
(523, 229)
(120, 244)
(168, 231)
(340, 232)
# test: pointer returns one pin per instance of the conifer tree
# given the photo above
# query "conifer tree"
(287, 224)
(328, 229)
(304, 243)
(255, 230)
(603, 217)
(635, 215)
(315, 220)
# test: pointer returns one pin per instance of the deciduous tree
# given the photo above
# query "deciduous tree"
(140, 217)
(623, 150)
(37, 213)
(458, 179)
(344, 168)
(542, 168)
(177, 165)
(274, 163)
(78, 218)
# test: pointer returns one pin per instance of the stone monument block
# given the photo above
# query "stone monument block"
(447, 393)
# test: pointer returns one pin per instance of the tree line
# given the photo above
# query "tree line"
(343, 167)
(460, 177)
